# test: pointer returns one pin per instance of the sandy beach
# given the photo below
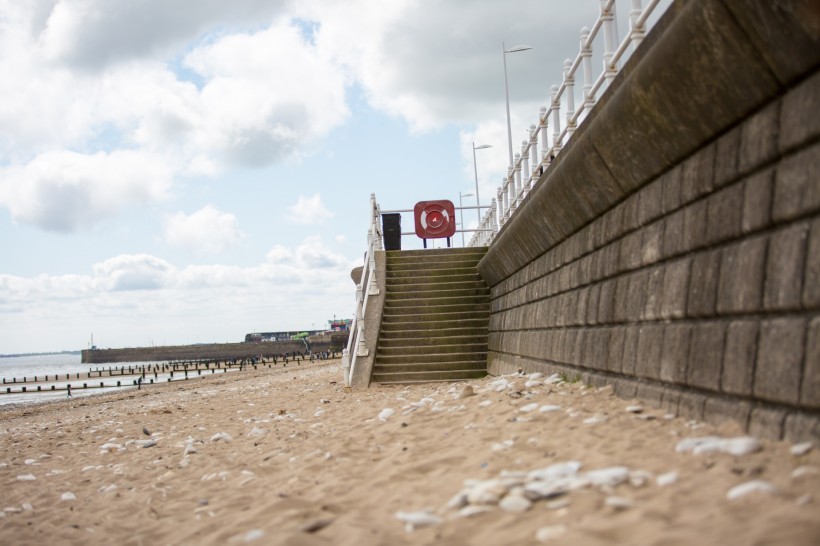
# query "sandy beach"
(289, 456)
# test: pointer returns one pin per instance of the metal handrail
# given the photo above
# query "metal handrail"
(514, 190)
(367, 286)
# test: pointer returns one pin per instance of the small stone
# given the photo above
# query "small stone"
(151, 443)
(801, 449)
(386, 414)
(557, 504)
(550, 533)
(415, 520)
(639, 478)
(146, 431)
(470, 511)
(618, 503)
(26, 506)
(634, 409)
(486, 492)
(528, 408)
(754, 486)
(801, 471)
(803, 500)
(466, 392)
(515, 503)
(68, 496)
(548, 408)
(316, 525)
(667, 479)
(611, 476)
(594, 420)
(255, 534)
(26, 478)
(485, 403)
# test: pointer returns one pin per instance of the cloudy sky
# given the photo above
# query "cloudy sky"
(189, 171)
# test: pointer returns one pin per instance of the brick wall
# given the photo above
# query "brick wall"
(684, 272)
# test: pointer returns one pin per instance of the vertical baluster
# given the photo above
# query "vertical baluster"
(526, 174)
(507, 200)
(586, 62)
(608, 24)
(556, 120)
(545, 144)
(534, 170)
(499, 217)
(637, 32)
(569, 80)
(517, 178)
(492, 223)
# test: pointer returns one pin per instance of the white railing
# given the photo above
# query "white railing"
(367, 287)
(541, 146)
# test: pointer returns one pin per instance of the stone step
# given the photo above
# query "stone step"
(435, 309)
(432, 320)
(443, 273)
(420, 350)
(456, 291)
(435, 253)
(456, 323)
(388, 341)
(430, 366)
(406, 289)
(441, 358)
(459, 331)
(427, 377)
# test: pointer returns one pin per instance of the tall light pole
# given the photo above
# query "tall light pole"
(475, 172)
(514, 49)
(461, 212)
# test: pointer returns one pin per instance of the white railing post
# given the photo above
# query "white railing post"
(499, 202)
(556, 119)
(637, 30)
(608, 22)
(586, 61)
(517, 178)
(543, 118)
(529, 148)
(569, 82)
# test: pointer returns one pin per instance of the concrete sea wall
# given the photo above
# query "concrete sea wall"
(673, 248)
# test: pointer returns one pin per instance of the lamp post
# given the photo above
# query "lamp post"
(514, 49)
(461, 212)
(475, 172)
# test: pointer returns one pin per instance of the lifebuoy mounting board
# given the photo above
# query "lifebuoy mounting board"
(435, 219)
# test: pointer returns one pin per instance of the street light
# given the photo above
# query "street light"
(475, 172)
(514, 49)
(461, 212)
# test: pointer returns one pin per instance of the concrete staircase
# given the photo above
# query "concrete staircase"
(436, 317)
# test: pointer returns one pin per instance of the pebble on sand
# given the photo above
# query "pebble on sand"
(550, 533)
(386, 414)
(754, 486)
(68, 496)
(743, 445)
(801, 449)
(417, 520)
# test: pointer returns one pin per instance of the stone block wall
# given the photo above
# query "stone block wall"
(684, 272)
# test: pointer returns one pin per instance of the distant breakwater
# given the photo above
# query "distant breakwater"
(216, 351)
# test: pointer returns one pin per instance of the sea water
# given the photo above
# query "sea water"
(51, 365)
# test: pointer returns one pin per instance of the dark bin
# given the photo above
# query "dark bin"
(391, 230)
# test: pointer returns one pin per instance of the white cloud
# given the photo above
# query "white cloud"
(62, 191)
(208, 230)
(296, 287)
(309, 210)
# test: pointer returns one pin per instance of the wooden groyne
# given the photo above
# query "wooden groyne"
(148, 374)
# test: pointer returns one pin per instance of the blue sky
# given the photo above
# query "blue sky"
(191, 171)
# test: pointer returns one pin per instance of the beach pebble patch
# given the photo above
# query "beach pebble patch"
(386, 414)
